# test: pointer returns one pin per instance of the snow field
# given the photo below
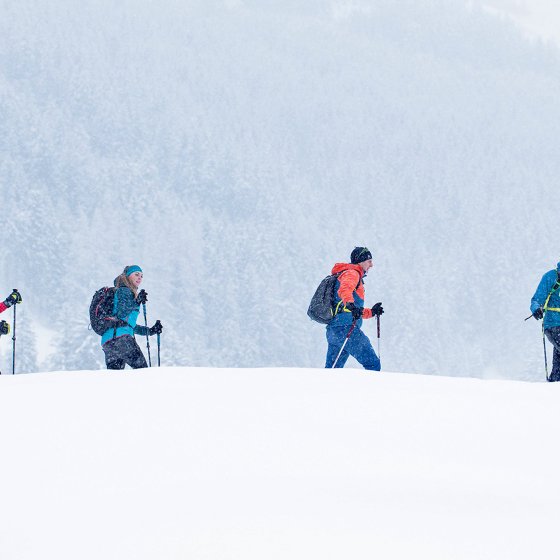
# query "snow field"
(201, 463)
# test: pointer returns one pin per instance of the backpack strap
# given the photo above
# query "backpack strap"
(554, 289)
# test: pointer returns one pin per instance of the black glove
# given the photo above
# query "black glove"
(157, 328)
(377, 309)
(14, 297)
(356, 311)
(538, 314)
(142, 296)
(4, 327)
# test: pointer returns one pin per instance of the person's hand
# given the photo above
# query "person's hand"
(356, 311)
(142, 296)
(157, 328)
(377, 310)
(14, 297)
(4, 327)
(538, 314)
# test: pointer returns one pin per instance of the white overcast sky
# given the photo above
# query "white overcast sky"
(538, 18)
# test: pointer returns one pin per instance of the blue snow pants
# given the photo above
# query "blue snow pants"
(358, 346)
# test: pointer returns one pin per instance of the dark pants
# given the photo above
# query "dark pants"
(553, 334)
(358, 346)
(123, 350)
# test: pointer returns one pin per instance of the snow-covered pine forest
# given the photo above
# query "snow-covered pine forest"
(236, 149)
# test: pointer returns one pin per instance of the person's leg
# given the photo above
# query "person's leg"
(553, 334)
(115, 364)
(336, 337)
(359, 346)
(133, 355)
(113, 359)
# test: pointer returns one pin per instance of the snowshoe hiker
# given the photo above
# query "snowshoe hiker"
(545, 304)
(344, 335)
(118, 340)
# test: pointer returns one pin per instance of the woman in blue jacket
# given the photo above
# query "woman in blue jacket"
(118, 342)
(546, 303)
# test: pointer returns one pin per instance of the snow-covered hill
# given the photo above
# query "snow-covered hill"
(230, 464)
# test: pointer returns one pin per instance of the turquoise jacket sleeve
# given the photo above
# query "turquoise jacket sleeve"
(543, 289)
(140, 330)
(127, 309)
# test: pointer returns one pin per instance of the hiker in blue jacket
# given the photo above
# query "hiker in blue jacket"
(546, 304)
(349, 311)
(118, 342)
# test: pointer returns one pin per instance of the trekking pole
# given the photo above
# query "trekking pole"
(545, 359)
(345, 341)
(378, 337)
(14, 341)
(147, 335)
(158, 348)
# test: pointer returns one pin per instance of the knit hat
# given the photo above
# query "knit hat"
(360, 254)
(131, 269)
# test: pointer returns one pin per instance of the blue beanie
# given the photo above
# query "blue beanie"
(132, 268)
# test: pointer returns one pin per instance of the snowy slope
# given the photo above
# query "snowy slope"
(276, 463)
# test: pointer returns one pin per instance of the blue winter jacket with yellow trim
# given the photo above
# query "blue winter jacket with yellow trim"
(126, 309)
(551, 318)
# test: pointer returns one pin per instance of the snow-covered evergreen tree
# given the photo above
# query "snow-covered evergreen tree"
(236, 151)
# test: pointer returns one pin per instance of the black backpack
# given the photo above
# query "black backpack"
(321, 306)
(101, 315)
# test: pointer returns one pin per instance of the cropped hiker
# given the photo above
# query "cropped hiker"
(12, 299)
(349, 310)
(546, 305)
(118, 340)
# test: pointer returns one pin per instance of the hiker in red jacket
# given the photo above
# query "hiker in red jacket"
(349, 311)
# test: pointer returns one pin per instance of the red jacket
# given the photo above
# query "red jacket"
(3, 307)
(351, 275)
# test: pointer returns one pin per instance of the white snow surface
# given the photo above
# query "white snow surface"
(201, 463)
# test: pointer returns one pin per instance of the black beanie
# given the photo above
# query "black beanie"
(360, 254)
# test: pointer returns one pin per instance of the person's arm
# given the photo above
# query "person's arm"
(156, 328)
(12, 299)
(125, 303)
(140, 330)
(543, 289)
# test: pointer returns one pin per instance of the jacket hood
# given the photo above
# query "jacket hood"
(341, 267)
(558, 267)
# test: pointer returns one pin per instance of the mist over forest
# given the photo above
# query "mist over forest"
(237, 149)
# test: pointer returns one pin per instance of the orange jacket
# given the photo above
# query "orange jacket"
(351, 275)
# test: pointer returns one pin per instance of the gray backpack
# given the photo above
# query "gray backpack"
(321, 306)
